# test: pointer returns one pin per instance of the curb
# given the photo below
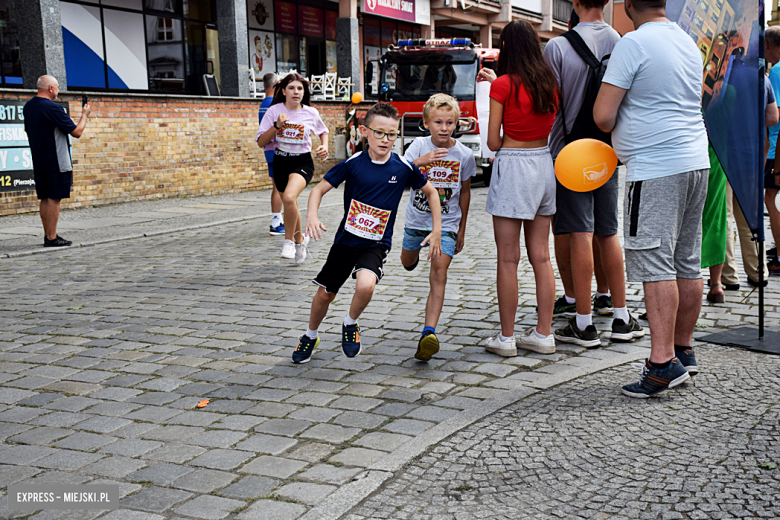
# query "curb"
(350, 495)
(44, 250)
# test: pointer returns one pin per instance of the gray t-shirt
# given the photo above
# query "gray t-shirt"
(447, 176)
(660, 127)
(572, 72)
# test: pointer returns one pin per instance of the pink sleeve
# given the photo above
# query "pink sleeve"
(267, 122)
(318, 127)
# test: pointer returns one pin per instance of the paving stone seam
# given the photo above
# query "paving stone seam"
(149, 234)
(350, 495)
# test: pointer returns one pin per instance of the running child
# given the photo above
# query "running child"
(374, 181)
(288, 125)
(448, 165)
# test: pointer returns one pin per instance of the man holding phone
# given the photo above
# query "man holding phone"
(47, 126)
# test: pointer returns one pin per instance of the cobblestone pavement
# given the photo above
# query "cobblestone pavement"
(105, 351)
(581, 450)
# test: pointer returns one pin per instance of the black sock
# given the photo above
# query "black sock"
(660, 365)
(411, 267)
(680, 348)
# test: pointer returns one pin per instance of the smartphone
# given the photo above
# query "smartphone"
(84, 100)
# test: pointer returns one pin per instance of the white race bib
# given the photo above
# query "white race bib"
(442, 174)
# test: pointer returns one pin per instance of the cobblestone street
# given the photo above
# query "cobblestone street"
(106, 350)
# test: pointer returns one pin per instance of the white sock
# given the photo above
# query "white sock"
(622, 314)
(583, 320)
(540, 336)
(311, 333)
(569, 300)
(600, 294)
(276, 219)
(503, 338)
(348, 320)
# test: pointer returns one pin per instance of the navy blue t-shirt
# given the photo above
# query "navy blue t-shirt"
(371, 196)
(48, 126)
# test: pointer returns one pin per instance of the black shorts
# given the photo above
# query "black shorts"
(769, 177)
(286, 164)
(344, 261)
(587, 212)
(53, 185)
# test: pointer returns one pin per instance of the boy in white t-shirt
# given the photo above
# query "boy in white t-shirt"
(449, 166)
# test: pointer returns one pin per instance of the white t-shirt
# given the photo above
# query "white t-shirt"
(660, 128)
(447, 176)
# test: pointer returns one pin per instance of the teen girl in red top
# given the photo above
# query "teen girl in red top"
(524, 98)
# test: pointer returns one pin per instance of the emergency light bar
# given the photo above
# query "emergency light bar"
(434, 43)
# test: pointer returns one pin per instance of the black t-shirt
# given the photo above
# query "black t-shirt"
(48, 126)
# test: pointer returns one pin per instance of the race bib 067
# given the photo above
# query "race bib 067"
(366, 221)
(290, 133)
(442, 174)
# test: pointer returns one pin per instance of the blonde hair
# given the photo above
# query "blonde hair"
(439, 101)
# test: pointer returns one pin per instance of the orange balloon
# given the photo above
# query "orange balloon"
(357, 97)
(585, 164)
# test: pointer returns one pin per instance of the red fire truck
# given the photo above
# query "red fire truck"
(409, 73)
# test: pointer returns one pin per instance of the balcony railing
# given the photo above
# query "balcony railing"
(562, 10)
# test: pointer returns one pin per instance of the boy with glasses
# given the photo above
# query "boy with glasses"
(374, 181)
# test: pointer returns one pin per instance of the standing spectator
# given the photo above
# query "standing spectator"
(47, 126)
(523, 98)
(277, 224)
(650, 100)
(772, 169)
(591, 214)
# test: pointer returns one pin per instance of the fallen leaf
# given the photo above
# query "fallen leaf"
(202, 404)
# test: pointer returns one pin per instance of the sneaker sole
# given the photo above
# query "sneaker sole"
(692, 370)
(301, 362)
(617, 336)
(587, 343)
(288, 257)
(429, 346)
(680, 380)
(605, 311)
(356, 353)
(503, 352)
(539, 349)
(276, 234)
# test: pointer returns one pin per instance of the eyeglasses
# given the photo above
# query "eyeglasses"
(379, 134)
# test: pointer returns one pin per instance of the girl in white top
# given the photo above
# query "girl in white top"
(288, 125)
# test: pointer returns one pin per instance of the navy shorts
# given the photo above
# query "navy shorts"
(53, 185)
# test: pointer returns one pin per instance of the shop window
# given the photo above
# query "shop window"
(82, 39)
(166, 57)
(389, 33)
(9, 43)
(125, 49)
(169, 6)
(286, 53)
(125, 4)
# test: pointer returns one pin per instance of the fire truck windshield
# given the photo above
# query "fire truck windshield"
(418, 79)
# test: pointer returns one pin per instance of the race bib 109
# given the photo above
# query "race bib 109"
(442, 174)
(290, 133)
(366, 221)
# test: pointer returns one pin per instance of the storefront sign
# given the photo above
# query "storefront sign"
(417, 11)
(310, 21)
(330, 24)
(286, 14)
(260, 14)
(16, 169)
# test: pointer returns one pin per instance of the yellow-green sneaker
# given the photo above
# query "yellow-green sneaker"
(427, 346)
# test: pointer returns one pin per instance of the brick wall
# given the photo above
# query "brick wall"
(141, 147)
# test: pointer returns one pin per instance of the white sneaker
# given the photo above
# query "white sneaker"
(502, 348)
(288, 249)
(530, 341)
(301, 250)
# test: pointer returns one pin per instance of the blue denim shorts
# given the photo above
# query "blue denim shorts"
(413, 238)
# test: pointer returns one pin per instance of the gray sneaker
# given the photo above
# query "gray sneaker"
(588, 338)
(530, 341)
(622, 331)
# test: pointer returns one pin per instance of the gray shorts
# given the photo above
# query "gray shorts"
(523, 184)
(587, 212)
(662, 227)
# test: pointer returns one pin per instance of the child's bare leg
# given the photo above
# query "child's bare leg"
(409, 259)
(438, 279)
(364, 291)
(319, 307)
